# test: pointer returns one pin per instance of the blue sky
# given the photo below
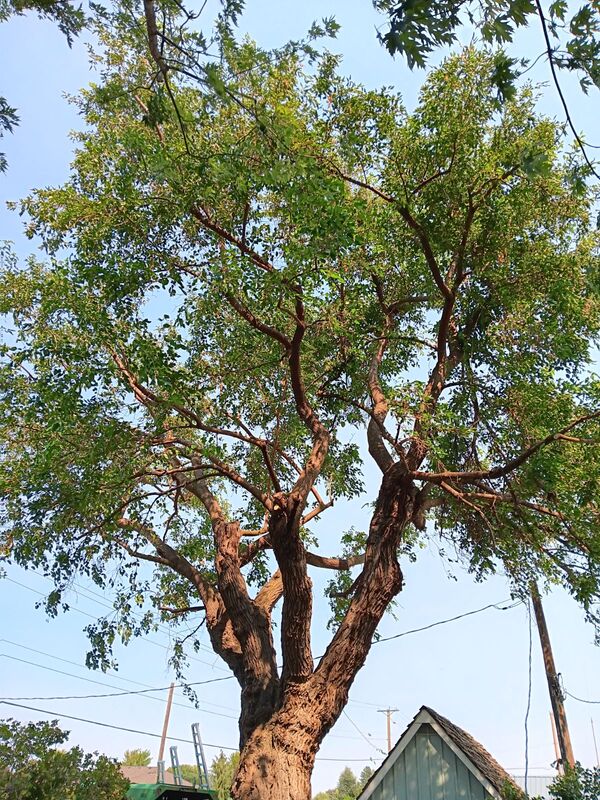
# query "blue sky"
(474, 671)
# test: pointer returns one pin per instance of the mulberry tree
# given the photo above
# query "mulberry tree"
(240, 273)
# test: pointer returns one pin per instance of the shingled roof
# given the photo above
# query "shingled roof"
(478, 755)
(458, 739)
(147, 775)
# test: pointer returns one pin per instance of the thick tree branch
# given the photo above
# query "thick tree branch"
(316, 511)
(269, 595)
(379, 581)
(253, 320)
(142, 556)
(175, 560)
(205, 220)
(325, 562)
(376, 430)
(251, 623)
(427, 249)
(289, 550)
(254, 548)
(178, 611)
(376, 426)
(320, 434)
(510, 466)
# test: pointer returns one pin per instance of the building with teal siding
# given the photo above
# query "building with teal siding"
(436, 760)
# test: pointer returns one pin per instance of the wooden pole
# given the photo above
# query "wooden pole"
(163, 738)
(556, 698)
(556, 750)
(388, 713)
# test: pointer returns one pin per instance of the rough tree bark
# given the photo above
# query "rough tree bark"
(277, 756)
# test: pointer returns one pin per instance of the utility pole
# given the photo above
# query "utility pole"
(388, 714)
(558, 762)
(163, 738)
(595, 745)
(556, 695)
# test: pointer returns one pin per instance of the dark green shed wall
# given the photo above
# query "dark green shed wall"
(427, 769)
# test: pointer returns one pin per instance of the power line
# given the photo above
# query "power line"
(581, 700)
(364, 736)
(129, 692)
(364, 703)
(67, 661)
(109, 725)
(144, 733)
(214, 680)
(499, 606)
(118, 676)
(112, 694)
(86, 592)
(110, 672)
(97, 619)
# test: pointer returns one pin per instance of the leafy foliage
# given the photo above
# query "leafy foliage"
(8, 120)
(348, 785)
(68, 16)
(221, 773)
(33, 768)
(577, 784)
(189, 772)
(249, 267)
(417, 28)
(136, 758)
(70, 20)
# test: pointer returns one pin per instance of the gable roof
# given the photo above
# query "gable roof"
(475, 757)
(478, 755)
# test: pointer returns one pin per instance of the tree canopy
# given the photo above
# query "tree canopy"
(348, 785)
(568, 39)
(32, 767)
(240, 273)
(222, 772)
(136, 758)
(577, 783)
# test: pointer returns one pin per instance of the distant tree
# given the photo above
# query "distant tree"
(365, 775)
(189, 772)
(348, 787)
(221, 774)
(31, 768)
(136, 758)
(577, 784)
(328, 794)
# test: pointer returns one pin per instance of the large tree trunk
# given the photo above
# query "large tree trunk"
(277, 760)
(278, 756)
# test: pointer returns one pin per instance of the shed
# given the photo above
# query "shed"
(436, 760)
